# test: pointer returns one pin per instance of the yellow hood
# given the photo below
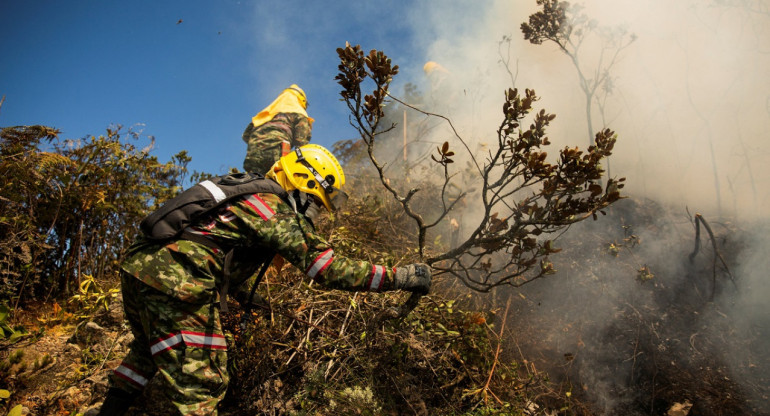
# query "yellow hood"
(291, 100)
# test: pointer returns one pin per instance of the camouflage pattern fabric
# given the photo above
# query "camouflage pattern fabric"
(255, 225)
(265, 141)
(181, 341)
(181, 280)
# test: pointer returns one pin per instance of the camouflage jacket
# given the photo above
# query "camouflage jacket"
(256, 226)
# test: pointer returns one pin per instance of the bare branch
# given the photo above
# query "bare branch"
(523, 199)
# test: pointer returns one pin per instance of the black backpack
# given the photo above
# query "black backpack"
(172, 218)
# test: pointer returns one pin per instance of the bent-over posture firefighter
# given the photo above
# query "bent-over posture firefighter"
(173, 289)
(281, 126)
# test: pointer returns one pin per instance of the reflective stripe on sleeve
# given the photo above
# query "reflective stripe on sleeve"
(135, 377)
(190, 339)
(320, 263)
(260, 206)
(214, 190)
(376, 278)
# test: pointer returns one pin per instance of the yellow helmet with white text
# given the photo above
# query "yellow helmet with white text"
(314, 170)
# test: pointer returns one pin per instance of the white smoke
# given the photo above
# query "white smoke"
(691, 106)
(690, 100)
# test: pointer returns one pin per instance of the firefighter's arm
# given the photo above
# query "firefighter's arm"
(336, 271)
(301, 246)
(294, 239)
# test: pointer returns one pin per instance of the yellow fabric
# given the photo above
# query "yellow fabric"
(277, 174)
(291, 100)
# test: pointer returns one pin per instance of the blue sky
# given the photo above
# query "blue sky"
(83, 65)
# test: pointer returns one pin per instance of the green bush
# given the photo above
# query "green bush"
(68, 208)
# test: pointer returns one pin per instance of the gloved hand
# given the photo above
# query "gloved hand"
(413, 277)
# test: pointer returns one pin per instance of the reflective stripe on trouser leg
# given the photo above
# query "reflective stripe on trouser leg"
(186, 345)
(190, 352)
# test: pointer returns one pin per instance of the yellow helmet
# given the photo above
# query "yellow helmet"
(314, 170)
(299, 93)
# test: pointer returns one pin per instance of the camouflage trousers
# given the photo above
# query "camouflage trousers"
(181, 341)
(268, 142)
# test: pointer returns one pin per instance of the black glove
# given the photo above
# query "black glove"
(413, 277)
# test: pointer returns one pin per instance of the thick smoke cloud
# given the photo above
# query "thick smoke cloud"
(691, 105)
(691, 101)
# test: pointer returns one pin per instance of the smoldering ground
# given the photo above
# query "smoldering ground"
(630, 323)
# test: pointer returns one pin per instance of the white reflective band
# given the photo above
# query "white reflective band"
(165, 344)
(131, 375)
(260, 206)
(321, 263)
(214, 190)
(199, 339)
(376, 278)
(190, 339)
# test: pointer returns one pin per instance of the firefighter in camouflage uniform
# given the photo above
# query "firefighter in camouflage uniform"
(281, 126)
(172, 291)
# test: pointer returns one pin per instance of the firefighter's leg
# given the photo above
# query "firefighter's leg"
(264, 147)
(191, 356)
(128, 380)
(194, 379)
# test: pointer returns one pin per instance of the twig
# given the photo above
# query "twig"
(107, 356)
(524, 360)
(300, 320)
(342, 331)
(497, 351)
(692, 342)
(454, 130)
(717, 255)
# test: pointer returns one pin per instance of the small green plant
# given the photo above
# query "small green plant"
(91, 297)
(5, 395)
(644, 274)
(7, 332)
(15, 357)
(90, 359)
(42, 362)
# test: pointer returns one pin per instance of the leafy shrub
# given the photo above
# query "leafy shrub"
(68, 207)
